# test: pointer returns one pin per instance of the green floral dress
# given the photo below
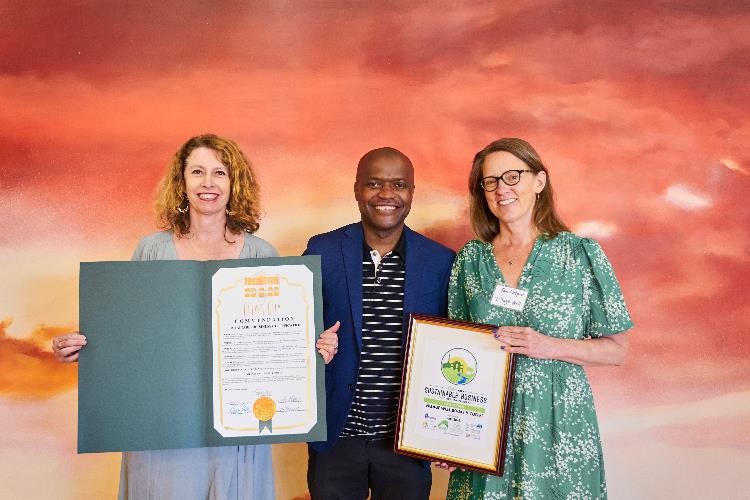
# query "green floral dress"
(554, 450)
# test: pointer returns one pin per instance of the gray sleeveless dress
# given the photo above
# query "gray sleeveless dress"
(217, 473)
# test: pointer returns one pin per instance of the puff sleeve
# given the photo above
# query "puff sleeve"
(604, 304)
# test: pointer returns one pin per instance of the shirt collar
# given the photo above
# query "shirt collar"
(399, 249)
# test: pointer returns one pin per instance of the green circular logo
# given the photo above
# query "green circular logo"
(459, 366)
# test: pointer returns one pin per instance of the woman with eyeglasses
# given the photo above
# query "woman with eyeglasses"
(574, 315)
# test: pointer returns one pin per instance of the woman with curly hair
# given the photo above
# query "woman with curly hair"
(208, 207)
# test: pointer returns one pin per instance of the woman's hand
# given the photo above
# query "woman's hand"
(527, 341)
(444, 466)
(601, 351)
(66, 347)
(328, 343)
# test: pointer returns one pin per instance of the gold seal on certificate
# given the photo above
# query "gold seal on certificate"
(264, 409)
(264, 350)
(455, 394)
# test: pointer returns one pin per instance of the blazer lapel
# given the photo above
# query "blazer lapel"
(351, 248)
(415, 273)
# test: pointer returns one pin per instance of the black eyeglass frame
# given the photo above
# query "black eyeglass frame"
(498, 178)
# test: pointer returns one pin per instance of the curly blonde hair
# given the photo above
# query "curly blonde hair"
(244, 199)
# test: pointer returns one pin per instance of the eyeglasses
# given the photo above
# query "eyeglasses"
(509, 177)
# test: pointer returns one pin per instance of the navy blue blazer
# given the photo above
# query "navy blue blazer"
(428, 266)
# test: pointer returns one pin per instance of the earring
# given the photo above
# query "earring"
(187, 207)
(228, 211)
(537, 197)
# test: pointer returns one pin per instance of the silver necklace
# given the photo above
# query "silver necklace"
(510, 260)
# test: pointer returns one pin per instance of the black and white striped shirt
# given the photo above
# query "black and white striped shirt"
(373, 411)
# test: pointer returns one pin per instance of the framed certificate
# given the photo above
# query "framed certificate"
(456, 392)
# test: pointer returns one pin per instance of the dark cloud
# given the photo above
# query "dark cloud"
(420, 41)
(111, 40)
(125, 40)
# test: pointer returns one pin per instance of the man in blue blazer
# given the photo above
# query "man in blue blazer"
(375, 273)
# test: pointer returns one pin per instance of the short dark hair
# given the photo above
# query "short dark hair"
(384, 152)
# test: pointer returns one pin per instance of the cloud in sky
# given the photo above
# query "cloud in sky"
(29, 369)
(733, 165)
(595, 229)
(686, 197)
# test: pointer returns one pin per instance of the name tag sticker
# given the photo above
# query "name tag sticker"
(510, 298)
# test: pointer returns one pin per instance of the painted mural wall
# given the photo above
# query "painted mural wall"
(640, 109)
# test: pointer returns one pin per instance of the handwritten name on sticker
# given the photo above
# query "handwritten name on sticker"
(510, 298)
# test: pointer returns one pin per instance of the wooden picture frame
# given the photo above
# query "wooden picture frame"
(456, 393)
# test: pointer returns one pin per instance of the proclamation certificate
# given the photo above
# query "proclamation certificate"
(455, 395)
(264, 355)
(231, 356)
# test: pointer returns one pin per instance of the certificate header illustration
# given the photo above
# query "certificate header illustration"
(262, 286)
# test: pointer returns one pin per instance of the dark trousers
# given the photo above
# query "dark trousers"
(357, 466)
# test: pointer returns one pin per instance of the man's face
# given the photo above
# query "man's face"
(383, 190)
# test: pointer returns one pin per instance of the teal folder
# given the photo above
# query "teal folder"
(145, 375)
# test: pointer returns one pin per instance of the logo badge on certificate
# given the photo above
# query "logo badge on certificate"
(508, 297)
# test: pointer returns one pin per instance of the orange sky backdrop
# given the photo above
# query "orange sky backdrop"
(640, 110)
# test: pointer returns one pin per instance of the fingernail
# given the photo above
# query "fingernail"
(502, 347)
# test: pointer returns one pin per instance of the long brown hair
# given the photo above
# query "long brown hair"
(244, 198)
(483, 221)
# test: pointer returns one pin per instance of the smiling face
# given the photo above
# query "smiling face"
(384, 190)
(512, 204)
(206, 182)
